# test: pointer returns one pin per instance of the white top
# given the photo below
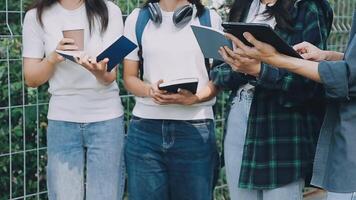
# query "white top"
(170, 53)
(256, 15)
(76, 95)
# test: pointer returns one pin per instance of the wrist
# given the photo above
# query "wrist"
(148, 90)
(256, 73)
(105, 78)
(327, 55)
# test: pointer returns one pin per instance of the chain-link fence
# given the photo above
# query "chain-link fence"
(23, 110)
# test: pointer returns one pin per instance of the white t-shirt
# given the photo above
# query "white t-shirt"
(256, 15)
(170, 53)
(76, 95)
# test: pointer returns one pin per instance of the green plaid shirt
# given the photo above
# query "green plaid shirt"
(287, 109)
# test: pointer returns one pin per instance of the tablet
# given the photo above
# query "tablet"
(261, 32)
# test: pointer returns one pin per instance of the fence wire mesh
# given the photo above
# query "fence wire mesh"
(23, 110)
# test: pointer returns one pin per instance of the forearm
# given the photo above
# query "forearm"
(306, 68)
(206, 94)
(137, 87)
(38, 73)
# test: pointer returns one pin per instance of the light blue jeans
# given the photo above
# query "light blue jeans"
(233, 150)
(95, 148)
(341, 196)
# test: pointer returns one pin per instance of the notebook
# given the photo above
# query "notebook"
(210, 40)
(116, 52)
(190, 84)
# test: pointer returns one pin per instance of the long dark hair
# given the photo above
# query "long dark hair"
(197, 3)
(280, 10)
(96, 9)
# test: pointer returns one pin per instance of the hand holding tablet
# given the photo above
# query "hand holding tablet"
(261, 32)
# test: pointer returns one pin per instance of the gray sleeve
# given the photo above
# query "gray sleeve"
(339, 77)
(334, 76)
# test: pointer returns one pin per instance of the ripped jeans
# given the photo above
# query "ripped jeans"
(170, 159)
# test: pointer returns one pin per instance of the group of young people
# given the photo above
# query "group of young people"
(276, 111)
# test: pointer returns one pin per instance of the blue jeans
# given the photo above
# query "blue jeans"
(341, 196)
(233, 151)
(98, 147)
(170, 160)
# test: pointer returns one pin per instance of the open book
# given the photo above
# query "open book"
(190, 84)
(210, 40)
(115, 52)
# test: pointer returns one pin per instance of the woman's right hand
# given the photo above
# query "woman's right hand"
(154, 92)
(66, 44)
(310, 52)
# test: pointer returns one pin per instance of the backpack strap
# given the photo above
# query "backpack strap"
(142, 20)
(205, 20)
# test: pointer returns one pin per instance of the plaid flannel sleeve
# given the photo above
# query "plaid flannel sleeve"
(225, 78)
(297, 89)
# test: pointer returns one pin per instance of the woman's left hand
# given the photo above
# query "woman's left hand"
(183, 97)
(98, 69)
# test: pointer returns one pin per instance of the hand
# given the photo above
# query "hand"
(154, 91)
(183, 97)
(260, 51)
(240, 63)
(99, 69)
(310, 52)
(161, 97)
(66, 44)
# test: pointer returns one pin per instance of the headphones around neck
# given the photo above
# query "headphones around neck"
(181, 16)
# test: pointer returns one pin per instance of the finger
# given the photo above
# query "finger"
(230, 53)
(156, 87)
(225, 56)
(240, 52)
(163, 97)
(59, 57)
(68, 47)
(157, 100)
(238, 43)
(66, 41)
(251, 39)
(105, 61)
(301, 46)
(310, 56)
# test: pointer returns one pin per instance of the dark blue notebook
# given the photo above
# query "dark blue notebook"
(115, 52)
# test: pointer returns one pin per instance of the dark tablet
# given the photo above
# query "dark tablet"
(261, 32)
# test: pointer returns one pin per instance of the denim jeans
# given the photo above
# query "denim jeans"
(341, 196)
(170, 160)
(233, 152)
(98, 147)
